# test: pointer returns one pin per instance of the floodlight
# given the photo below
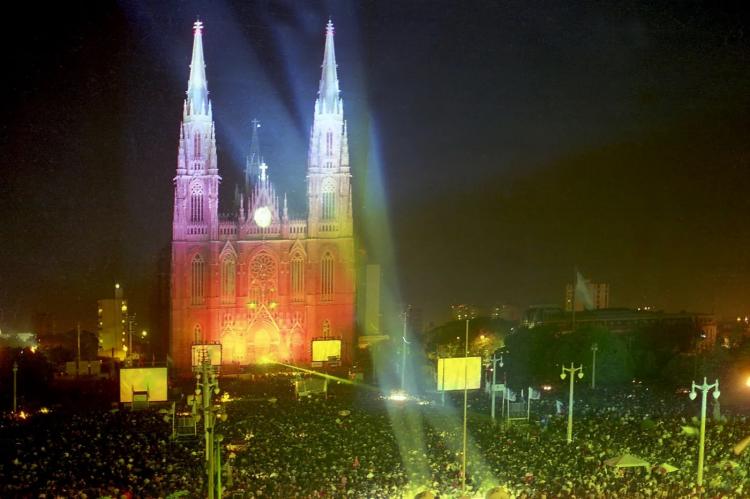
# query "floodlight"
(693, 395)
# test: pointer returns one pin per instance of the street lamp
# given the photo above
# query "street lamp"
(494, 379)
(572, 370)
(594, 348)
(704, 388)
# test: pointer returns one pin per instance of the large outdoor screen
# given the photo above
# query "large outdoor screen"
(143, 379)
(458, 373)
(213, 350)
(323, 350)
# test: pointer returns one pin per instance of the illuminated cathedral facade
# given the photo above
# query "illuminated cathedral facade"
(260, 281)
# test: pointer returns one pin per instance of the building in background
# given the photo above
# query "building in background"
(506, 312)
(588, 295)
(112, 325)
(261, 281)
(462, 312)
(623, 320)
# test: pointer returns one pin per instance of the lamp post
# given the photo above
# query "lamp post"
(494, 380)
(572, 370)
(405, 316)
(704, 388)
(15, 373)
(594, 348)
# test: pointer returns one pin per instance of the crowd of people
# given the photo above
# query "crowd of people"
(356, 443)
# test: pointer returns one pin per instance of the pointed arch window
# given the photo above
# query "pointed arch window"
(196, 203)
(228, 278)
(197, 334)
(329, 143)
(297, 275)
(326, 276)
(197, 146)
(328, 199)
(197, 280)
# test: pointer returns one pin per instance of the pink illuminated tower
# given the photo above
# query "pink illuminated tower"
(259, 281)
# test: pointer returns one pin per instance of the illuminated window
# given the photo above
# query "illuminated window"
(197, 146)
(326, 276)
(196, 280)
(328, 199)
(196, 203)
(297, 273)
(329, 143)
(228, 275)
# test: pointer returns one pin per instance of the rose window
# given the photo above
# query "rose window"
(263, 267)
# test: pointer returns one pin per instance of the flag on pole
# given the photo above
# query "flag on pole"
(534, 395)
(559, 406)
(510, 395)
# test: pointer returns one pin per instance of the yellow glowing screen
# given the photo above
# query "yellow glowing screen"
(453, 373)
(150, 379)
(212, 350)
(322, 350)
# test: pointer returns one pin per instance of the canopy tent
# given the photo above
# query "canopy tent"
(626, 461)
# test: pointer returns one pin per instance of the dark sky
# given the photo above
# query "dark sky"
(495, 145)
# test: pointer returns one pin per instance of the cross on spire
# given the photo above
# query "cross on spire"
(263, 167)
(198, 27)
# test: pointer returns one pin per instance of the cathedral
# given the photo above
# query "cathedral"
(261, 282)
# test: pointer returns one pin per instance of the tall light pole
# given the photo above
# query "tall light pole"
(405, 316)
(207, 385)
(704, 388)
(494, 380)
(572, 370)
(15, 373)
(594, 348)
(466, 395)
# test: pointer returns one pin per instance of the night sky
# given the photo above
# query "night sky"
(495, 145)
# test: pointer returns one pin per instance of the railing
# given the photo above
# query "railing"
(196, 230)
(227, 228)
(271, 230)
(328, 227)
(297, 228)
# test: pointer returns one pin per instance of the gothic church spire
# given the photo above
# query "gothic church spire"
(253, 161)
(197, 93)
(328, 93)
